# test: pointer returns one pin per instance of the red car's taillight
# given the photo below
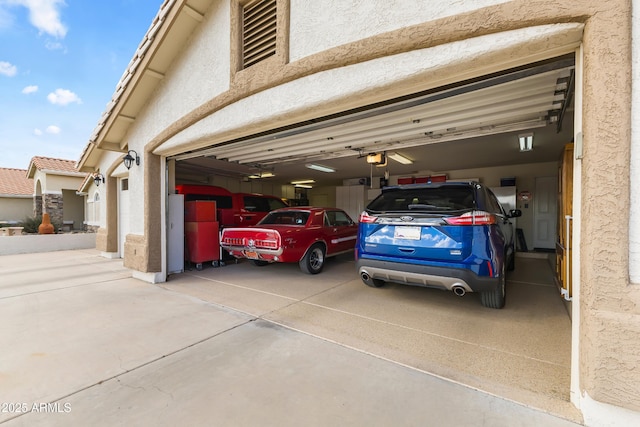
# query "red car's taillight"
(472, 218)
(266, 244)
(366, 218)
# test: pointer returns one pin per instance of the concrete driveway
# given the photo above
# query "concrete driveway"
(82, 343)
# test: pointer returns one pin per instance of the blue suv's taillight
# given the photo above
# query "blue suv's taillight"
(472, 218)
(367, 219)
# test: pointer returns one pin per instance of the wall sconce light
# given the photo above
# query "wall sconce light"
(526, 141)
(129, 159)
(98, 178)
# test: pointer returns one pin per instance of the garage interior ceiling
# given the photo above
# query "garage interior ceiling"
(472, 125)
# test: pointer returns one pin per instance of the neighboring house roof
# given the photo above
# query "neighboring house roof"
(53, 166)
(14, 182)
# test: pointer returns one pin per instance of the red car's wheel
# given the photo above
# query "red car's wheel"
(313, 260)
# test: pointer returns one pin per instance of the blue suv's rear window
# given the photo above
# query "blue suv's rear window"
(432, 199)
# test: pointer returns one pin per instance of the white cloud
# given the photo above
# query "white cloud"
(30, 89)
(63, 97)
(8, 69)
(44, 15)
(37, 132)
(54, 130)
(55, 46)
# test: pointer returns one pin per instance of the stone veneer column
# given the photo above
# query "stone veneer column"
(37, 206)
(52, 204)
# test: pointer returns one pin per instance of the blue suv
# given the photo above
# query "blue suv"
(453, 236)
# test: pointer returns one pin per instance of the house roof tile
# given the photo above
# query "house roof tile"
(51, 164)
(15, 182)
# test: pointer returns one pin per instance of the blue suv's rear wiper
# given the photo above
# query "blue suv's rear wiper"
(421, 206)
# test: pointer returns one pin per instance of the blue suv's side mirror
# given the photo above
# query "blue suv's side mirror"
(514, 213)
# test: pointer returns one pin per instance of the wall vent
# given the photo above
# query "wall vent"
(258, 31)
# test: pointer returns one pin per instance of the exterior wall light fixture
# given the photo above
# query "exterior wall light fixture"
(129, 159)
(98, 179)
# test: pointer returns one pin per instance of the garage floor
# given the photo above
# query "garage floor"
(521, 352)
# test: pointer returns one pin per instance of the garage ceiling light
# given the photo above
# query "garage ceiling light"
(320, 168)
(526, 141)
(400, 158)
(303, 181)
(376, 158)
(262, 175)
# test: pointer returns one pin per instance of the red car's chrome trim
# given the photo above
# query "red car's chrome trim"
(343, 239)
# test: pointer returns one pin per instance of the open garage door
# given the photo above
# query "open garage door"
(470, 125)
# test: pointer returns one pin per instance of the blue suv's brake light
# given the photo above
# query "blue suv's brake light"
(367, 219)
(472, 218)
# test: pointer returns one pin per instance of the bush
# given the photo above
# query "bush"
(31, 224)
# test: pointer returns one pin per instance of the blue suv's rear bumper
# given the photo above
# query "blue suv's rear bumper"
(425, 275)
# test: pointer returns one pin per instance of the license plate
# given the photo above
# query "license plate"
(409, 233)
(251, 255)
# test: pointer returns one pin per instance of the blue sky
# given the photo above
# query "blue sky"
(60, 62)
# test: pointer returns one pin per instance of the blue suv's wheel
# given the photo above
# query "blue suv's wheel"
(512, 260)
(496, 298)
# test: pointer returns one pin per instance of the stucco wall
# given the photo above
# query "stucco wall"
(15, 209)
(60, 182)
(610, 305)
(314, 24)
(634, 155)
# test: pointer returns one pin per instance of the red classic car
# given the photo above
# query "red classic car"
(306, 235)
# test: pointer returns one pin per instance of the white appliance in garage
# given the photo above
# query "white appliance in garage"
(507, 198)
(175, 234)
(352, 199)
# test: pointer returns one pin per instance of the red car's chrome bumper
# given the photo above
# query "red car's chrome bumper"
(253, 243)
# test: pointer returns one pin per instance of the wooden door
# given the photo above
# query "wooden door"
(565, 208)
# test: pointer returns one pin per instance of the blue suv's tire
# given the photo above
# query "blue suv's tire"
(511, 260)
(496, 298)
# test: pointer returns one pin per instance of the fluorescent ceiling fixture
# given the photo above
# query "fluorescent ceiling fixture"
(320, 168)
(303, 181)
(400, 158)
(526, 141)
(304, 186)
(262, 175)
